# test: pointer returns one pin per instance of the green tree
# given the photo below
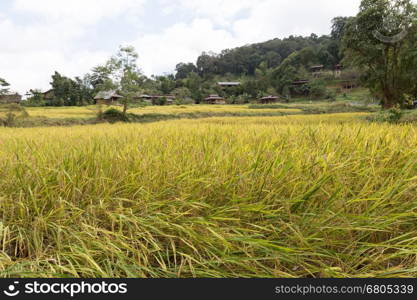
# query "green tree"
(263, 77)
(100, 79)
(183, 70)
(4, 86)
(195, 84)
(35, 98)
(381, 41)
(63, 90)
(71, 92)
(165, 84)
(182, 93)
(122, 73)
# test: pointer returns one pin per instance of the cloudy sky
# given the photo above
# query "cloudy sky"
(41, 36)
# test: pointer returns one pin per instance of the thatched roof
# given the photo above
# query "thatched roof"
(107, 95)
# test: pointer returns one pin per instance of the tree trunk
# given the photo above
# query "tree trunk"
(390, 100)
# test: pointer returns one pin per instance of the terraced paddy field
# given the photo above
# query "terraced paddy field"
(326, 195)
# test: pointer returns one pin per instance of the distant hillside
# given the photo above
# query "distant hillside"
(324, 50)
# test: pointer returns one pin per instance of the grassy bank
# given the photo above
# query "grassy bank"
(88, 115)
(295, 196)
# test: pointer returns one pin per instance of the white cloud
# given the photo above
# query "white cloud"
(32, 52)
(79, 11)
(219, 11)
(266, 19)
(270, 18)
(160, 53)
(51, 37)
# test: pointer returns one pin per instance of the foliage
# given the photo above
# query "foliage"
(182, 70)
(374, 42)
(317, 89)
(35, 99)
(67, 92)
(182, 93)
(165, 84)
(122, 73)
(392, 115)
(113, 115)
(4, 86)
(161, 101)
(12, 114)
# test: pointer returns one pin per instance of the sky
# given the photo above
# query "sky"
(38, 37)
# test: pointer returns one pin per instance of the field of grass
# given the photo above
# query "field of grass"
(292, 196)
(88, 115)
(91, 111)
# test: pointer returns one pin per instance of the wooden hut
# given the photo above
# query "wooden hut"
(49, 95)
(107, 98)
(215, 99)
(268, 99)
(349, 85)
(10, 98)
(144, 97)
(317, 70)
(156, 99)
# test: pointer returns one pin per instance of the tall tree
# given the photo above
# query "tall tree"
(182, 70)
(381, 41)
(125, 74)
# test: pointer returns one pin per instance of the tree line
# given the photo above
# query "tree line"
(377, 46)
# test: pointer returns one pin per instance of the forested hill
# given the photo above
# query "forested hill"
(323, 50)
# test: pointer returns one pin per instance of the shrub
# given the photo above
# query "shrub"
(317, 89)
(13, 113)
(393, 115)
(161, 101)
(113, 115)
(331, 95)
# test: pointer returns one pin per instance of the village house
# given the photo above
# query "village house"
(268, 99)
(48, 95)
(10, 98)
(317, 70)
(144, 98)
(215, 99)
(156, 99)
(107, 98)
(349, 84)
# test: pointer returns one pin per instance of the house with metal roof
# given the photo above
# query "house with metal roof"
(10, 98)
(229, 84)
(107, 97)
(215, 99)
(268, 99)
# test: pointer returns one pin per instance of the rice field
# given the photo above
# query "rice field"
(293, 196)
(87, 112)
